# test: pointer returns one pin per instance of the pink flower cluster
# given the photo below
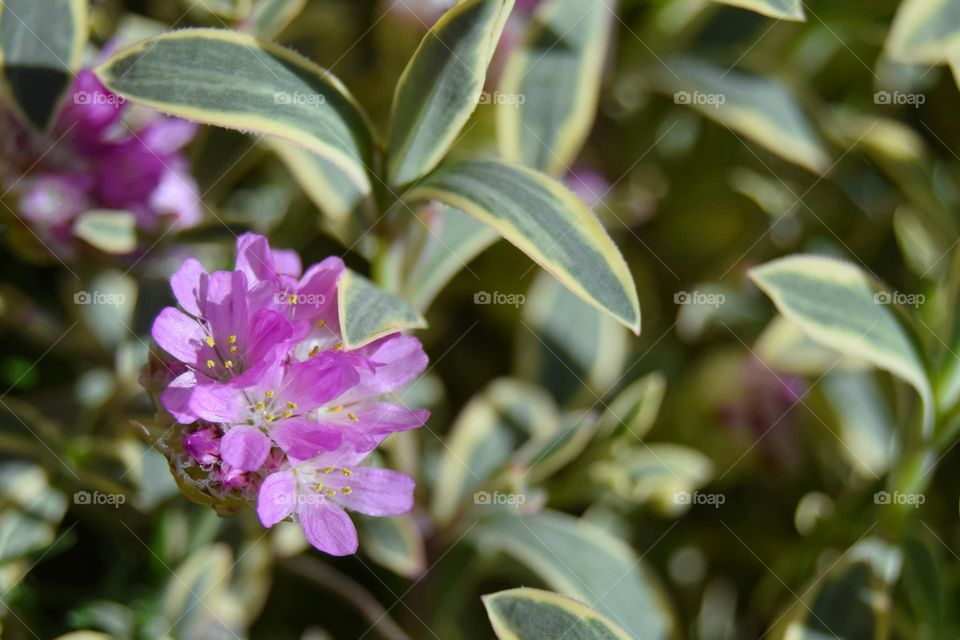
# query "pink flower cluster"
(275, 410)
(101, 153)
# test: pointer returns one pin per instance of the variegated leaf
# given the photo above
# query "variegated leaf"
(534, 614)
(237, 81)
(367, 312)
(547, 222)
(583, 561)
(838, 305)
(269, 18)
(441, 86)
(394, 543)
(783, 9)
(760, 108)
(925, 32)
(551, 84)
(41, 43)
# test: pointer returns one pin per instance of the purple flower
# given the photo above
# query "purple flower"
(99, 156)
(277, 406)
(319, 490)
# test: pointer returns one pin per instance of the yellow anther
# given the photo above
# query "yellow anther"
(271, 418)
(329, 470)
(346, 490)
(337, 409)
(269, 393)
(233, 349)
(288, 414)
(261, 406)
(338, 346)
(292, 405)
(228, 364)
(321, 324)
(210, 342)
(211, 364)
(292, 300)
(313, 352)
(318, 487)
(347, 472)
(353, 417)
(331, 492)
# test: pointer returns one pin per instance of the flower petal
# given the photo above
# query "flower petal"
(245, 448)
(219, 403)
(328, 528)
(187, 285)
(397, 359)
(379, 492)
(255, 259)
(277, 498)
(178, 334)
(377, 420)
(176, 397)
(302, 438)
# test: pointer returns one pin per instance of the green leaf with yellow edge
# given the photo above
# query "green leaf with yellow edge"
(575, 349)
(483, 438)
(547, 222)
(441, 86)
(664, 475)
(552, 84)
(337, 194)
(442, 242)
(394, 543)
(41, 43)
(237, 81)
(925, 32)
(543, 456)
(367, 312)
(760, 108)
(836, 304)
(634, 410)
(535, 614)
(112, 232)
(783, 9)
(583, 561)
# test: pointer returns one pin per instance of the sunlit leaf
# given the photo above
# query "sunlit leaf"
(442, 243)
(441, 86)
(838, 305)
(547, 222)
(784, 9)
(110, 231)
(551, 85)
(867, 428)
(483, 437)
(40, 47)
(394, 543)
(584, 562)
(924, 32)
(534, 614)
(237, 81)
(367, 312)
(634, 410)
(567, 345)
(661, 474)
(759, 108)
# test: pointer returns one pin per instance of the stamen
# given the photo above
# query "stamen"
(261, 406)
(329, 470)
(347, 472)
(353, 417)
(321, 324)
(269, 393)
(233, 349)
(232, 339)
(338, 346)
(210, 342)
(228, 364)
(331, 492)
(313, 352)
(346, 490)
(211, 364)
(292, 405)
(288, 414)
